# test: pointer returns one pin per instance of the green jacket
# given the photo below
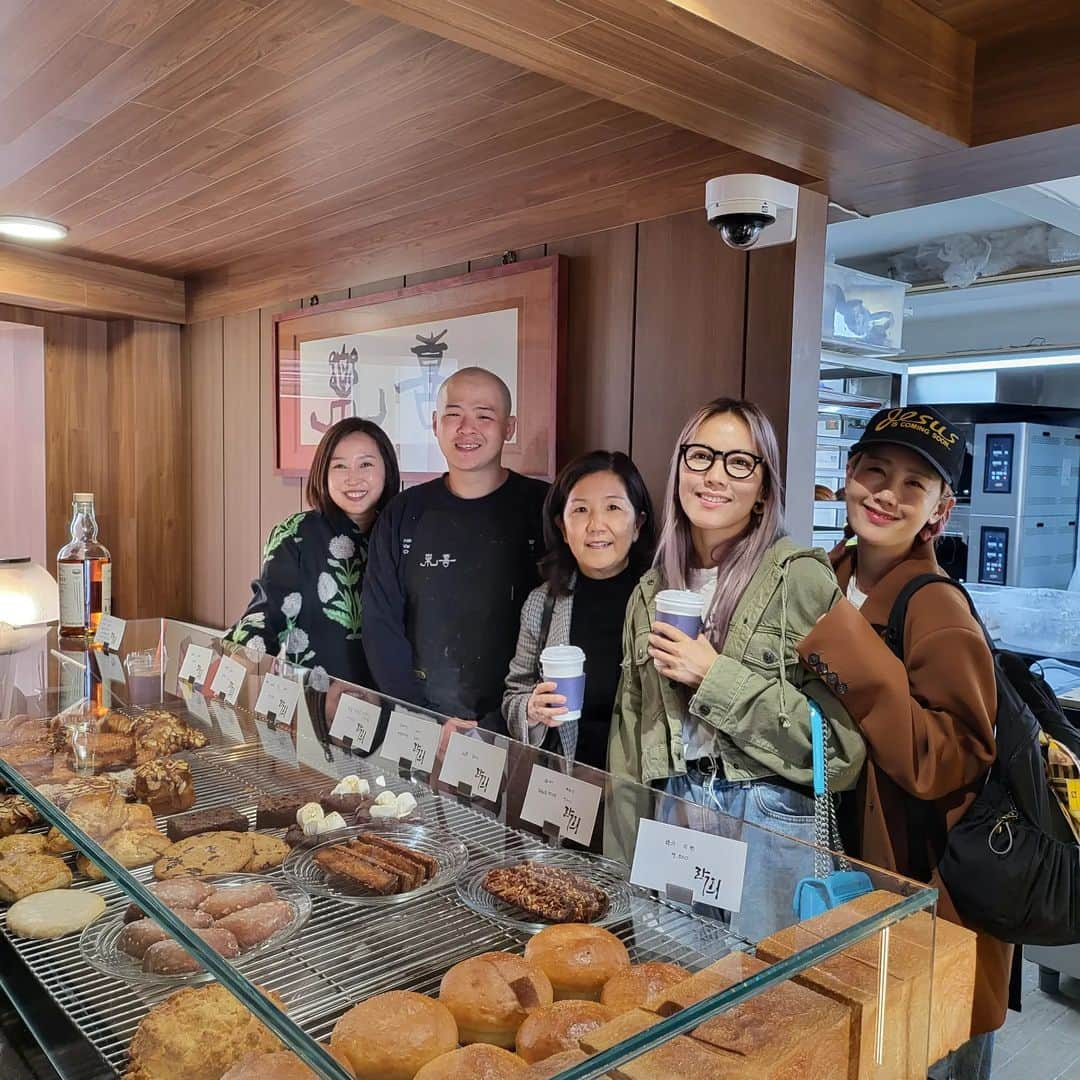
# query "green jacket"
(754, 695)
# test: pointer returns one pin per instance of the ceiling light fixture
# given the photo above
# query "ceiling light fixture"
(1001, 364)
(28, 228)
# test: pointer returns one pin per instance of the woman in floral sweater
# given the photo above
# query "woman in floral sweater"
(305, 605)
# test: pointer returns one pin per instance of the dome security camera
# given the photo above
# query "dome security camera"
(752, 211)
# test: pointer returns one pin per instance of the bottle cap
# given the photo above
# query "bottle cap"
(83, 496)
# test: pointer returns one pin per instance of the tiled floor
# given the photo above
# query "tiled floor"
(1043, 1041)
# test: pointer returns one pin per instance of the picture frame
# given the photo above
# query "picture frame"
(384, 357)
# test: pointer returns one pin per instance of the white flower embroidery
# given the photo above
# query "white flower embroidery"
(256, 618)
(290, 606)
(342, 547)
(319, 679)
(297, 641)
(256, 647)
(327, 588)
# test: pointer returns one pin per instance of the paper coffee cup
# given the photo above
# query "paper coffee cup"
(680, 608)
(564, 665)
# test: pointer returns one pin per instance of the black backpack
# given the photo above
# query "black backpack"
(1011, 863)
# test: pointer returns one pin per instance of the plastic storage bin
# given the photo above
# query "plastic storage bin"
(862, 313)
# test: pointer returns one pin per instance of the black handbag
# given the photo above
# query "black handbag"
(1011, 865)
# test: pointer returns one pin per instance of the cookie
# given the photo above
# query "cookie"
(54, 913)
(24, 844)
(213, 853)
(21, 875)
(130, 848)
(269, 852)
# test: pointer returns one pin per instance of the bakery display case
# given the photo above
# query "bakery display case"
(215, 864)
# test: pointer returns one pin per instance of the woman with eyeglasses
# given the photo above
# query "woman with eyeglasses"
(722, 719)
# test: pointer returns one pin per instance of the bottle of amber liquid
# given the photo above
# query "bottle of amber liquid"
(84, 572)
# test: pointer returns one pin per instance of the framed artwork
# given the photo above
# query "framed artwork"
(385, 356)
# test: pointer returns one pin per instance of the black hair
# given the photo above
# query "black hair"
(318, 492)
(558, 566)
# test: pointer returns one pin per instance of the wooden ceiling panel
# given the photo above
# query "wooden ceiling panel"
(992, 20)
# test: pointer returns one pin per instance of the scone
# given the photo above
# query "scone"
(269, 852)
(212, 853)
(100, 750)
(23, 844)
(130, 848)
(54, 913)
(23, 875)
(16, 815)
(198, 1033)
(165, 786)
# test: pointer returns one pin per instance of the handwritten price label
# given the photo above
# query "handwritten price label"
(571, 804)
(411, 738)
(196, 704)
(109, 667)
(711, 867)
(197, 661)
(110, 632)
(227, 721)
(355, 719)
(278, 697)
(476, 763)
(229, 679)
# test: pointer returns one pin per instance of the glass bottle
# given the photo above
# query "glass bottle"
(84, 572)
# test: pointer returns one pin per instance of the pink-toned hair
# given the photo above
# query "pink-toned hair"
(738, 561)
(930, 531)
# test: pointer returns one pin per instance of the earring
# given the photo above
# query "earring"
(759, 507)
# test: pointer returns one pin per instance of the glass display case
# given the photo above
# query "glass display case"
(224, 853)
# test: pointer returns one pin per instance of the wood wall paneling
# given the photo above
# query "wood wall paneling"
(688, 334)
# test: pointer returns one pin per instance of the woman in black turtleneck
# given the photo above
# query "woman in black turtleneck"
(598, 530)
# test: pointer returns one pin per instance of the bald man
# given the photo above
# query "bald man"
(451, 562)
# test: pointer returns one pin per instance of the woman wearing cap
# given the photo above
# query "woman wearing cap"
(722, 719)
(928, 720)
(599, 535)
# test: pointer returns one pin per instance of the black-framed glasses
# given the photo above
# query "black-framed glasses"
(738, 464)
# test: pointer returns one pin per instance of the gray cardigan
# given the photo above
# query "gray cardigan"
(524, 671)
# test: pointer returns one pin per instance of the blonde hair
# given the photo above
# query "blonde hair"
(742, 556)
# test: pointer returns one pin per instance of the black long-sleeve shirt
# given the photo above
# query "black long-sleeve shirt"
(445, 581)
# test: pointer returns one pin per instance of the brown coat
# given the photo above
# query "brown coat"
(929, 730)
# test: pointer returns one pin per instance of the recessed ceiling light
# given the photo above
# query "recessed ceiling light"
(28, 228)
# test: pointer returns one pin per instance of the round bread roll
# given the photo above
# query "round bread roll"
(279, 1065)
(477, 1062)
(559, 1027)
(633, 986)
(54, 913)
(491, 994)
(392, 1036)
(577, 958)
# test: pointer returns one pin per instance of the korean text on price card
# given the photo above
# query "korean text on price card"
(474, 762)
(277, 699)
(553, 798)
(412, 739)
(197, 661)
(110, 632)
(710, 867)
(228, 679)
(357, 720)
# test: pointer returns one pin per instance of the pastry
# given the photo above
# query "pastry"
(280, 1065)
(309, 818)
(577, 958)
(547, 893)
(130, 848)
(16, 815)
(226, 899)
(631, 1022)
(119, 723)
(392, 1036)
(635, 986)
(294, 836)
(269, 852)
(253, 925)
(165, 735)
(352, 785)
(62, 792)
(171, 958)
(33, 760)
(214, 853)
(23, 844)
(100, 750)
(53, 913)
(56, 843)
(391, 806)
(558, 1027)
(428, 862)
(166, 786)
(276, 811)
(23, 731)
(214, 819)
(477, 1062)
(355, 872)
(553, 1066)
(103, 812)
(345, 803)
(380, 866)
(196, 1033)
(177, 893)
(22, 875)
(136, 937)
(491, 996)
(413, 873)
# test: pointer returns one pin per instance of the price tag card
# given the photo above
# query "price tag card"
(110, 632)
(110, 667)
(710, 867)
(227, 721)
(356, 719)
(277, 742)
(278, 697)
(476, 763)
(197, 661)
(229, 679)
(196, 704)
(571, 804)
(412, 738)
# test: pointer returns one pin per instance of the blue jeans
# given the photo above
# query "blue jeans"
(968, 1062)
(773, 866)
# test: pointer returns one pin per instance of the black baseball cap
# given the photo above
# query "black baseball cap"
(922, 430)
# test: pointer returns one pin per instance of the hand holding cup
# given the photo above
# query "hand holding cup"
(546, 706)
